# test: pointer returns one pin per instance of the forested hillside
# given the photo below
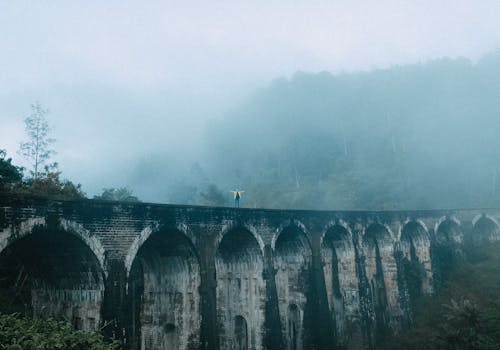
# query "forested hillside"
(416, 136)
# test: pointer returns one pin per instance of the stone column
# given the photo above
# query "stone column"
(115, 310)
(207, 248)
(323, 325)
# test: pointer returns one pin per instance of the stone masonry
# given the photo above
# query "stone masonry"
(184, 277)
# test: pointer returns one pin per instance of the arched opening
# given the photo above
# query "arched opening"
(416, 235)
(449, 231)
(240, 289)
(416, 248)
(485, 229)
(381, 277)
(377, 233)
(53, 274)
(339, 268)
(293, 257)
(446, 250)
(164, 292)
(240, 333)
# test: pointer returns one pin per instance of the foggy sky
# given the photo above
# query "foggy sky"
(126, 80)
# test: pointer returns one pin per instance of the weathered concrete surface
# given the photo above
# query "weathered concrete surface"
(59, 274)
(293, 258)
(240, 291)
(163, 276)
(342, 284)
(170, 281)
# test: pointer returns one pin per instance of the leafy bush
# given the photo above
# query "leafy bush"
(465, 313)
(22, 333)
(122, 194)
(10, 175)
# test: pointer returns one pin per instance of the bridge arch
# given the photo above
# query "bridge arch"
(341, 280)
(235, 226)
(241, 333)
(343, 232)
(414, 229)
(240, 289)
(415, 241)
(57, 269)
(486, 228)
(377, 233)
(449, 230)
(28, 226)
(415, 246)
(293, 262)
(291, 236)
(163, 289)
(144, 236)
(287, 224)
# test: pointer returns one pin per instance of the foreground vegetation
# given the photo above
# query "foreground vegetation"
(465, 312)
(23, 333)
(18, 331)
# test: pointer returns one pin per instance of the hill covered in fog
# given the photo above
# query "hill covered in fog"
(415, 136)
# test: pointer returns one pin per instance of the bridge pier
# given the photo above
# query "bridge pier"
(115, 310)
(274, 335)
(323, 322)
(208, 293)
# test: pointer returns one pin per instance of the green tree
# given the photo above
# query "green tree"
(50, 184)
(10, 175)
(37, 150)
(122, 194)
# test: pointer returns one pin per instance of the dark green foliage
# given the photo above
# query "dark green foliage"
(9, 173)
(465, 312)
(490, 319)
(21, 333)
(462, 327)
(49, 184)
(121, 194)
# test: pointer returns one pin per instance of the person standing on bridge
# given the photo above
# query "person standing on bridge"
(237, 195)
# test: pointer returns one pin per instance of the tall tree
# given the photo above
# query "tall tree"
(37, 150)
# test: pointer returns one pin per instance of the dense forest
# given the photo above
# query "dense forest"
(414, 136)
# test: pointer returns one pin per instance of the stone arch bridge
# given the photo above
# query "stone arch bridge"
(185, 277)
